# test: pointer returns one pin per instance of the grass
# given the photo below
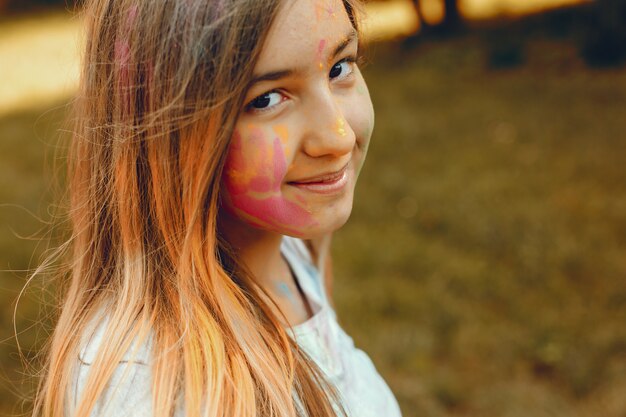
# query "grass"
(484, 265)
(27, 164)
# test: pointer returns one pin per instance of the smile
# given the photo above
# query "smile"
(325, 184)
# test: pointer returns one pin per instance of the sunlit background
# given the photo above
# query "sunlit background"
(484, 266)
(40, 53)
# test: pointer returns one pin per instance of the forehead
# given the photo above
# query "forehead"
(299, 29)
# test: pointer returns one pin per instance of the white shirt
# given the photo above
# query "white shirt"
(363, 391)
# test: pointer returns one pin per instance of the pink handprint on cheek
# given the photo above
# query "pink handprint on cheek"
(253, 176)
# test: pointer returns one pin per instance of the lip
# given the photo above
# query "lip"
(324, 184)
(327, 177)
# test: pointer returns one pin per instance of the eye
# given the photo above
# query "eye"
(342, 68)
(265, 101)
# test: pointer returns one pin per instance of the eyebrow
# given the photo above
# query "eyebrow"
(277, 75)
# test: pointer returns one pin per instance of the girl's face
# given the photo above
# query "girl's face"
(301, 138)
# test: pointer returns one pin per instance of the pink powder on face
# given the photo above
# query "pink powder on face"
(320, 47)
(275, 212)
(323, 9)
(331, 12)
(254, 173)
(320, 53)
(249, 166)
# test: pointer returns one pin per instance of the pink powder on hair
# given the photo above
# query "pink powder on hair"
(122, 58)
(132, 16)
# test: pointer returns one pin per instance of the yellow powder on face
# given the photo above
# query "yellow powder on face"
(253, 164)
(341, 126)
(319, 12)
(282, 132)
(325, 9)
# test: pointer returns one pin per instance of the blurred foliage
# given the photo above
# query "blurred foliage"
(604, 42)
(599, 29)
(30, 5)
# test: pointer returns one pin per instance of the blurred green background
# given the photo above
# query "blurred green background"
(484, 266)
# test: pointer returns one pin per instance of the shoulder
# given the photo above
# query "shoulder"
(128, 391)
(98, 331)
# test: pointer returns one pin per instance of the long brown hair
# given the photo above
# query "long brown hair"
(161, 88)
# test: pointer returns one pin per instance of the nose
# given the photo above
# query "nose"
(328, 132)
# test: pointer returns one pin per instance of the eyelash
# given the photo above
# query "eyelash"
(349, 60)
(250, 109)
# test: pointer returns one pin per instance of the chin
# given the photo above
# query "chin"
(330, 220)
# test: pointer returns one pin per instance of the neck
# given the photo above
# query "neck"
(259, 250)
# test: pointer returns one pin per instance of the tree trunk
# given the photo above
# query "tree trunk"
(417, 5)
(452, 18)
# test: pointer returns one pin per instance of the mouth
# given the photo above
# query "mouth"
(325, 183)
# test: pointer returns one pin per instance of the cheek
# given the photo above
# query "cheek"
(253, 177)
(359, 111)
(254, 164)
(361, 120)
(367, 110)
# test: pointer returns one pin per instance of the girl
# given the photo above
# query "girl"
(216, 148)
